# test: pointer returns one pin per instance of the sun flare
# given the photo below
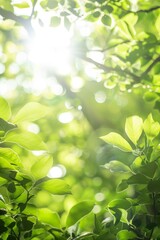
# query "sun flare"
(50, 48)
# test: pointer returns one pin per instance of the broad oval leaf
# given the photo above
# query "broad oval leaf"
(6, 126)
(55, 21)
(5, 164)
(151, 96)
(133, 128)
(106, 20)
(137, 179)
(118, 141)
(42, 166)
(28, 140)
(117, 166)
(11, 156)
(119, 203)
(78, 211)
(154, 185)
(47, 216)
(22, 4)
(149, 169)
(5, 111)
(122, 186)
(151, 128)
(125, 234)
(55, 186)
(52, 4)
(32, 111)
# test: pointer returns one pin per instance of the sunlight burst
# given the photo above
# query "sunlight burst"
(50, 48)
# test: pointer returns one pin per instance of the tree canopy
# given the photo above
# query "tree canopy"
(79, 119)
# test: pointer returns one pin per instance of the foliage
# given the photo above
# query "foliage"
(106, 191)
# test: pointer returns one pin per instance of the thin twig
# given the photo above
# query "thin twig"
(139, 11)
(155, 61)
(108, 69)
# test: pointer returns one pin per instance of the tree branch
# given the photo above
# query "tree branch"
(24, 22)
(135, 77)
(148, 10)
(108, 69)
(155, 61)
(33, 8)
(139, 11)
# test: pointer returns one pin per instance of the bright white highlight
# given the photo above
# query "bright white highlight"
(65, 117)
(100, 97)
(51, 49)
(58, 171)
(33, 128)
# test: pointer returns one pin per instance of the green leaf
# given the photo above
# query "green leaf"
(106, 20)
(154, 186)
(26, 225)
(78, 211)
(42, 166)
(137, 164)
(47, 216)
(125, 234)
(55, 21)
(119, 203)
(28, 140)
(116, 166)
(6, 5)
(5, 164)
(11, 156)
(6, 126)
(124, 29)
(118, 141)
(151, 96)
(52, 4)
(23, 4)
(2, 182)
(122, 186)
(106, 8)
(5, 111)
(32, 111)
(55, 186)
(149, 169)
(133, 128)
(151, 128)
(137, 179)
(96, 14)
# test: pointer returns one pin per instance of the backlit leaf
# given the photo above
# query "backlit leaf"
(52, 4)
(116, 166)
(55, 21)
(119, 203)
(22, 4)
(11, 156)
(78, 211)
(32, 111)
(55, 186)
(42, 166)
(133, 128)
(5, 164)
(151, 128)
(125, 234)
(118, 141)
(5, 111)
(27, 140)
(47, 216)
